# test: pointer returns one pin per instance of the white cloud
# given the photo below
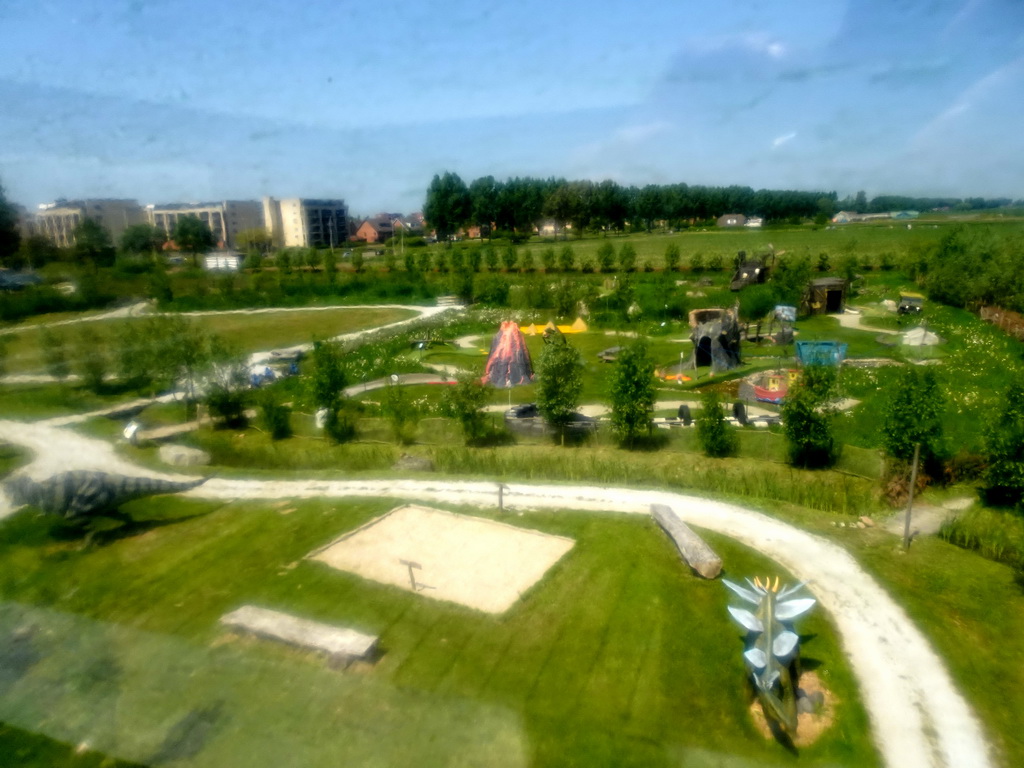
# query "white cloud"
(778, 141)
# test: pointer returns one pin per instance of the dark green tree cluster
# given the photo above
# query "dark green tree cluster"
(326, 384)
(972, 267)
(518, 204)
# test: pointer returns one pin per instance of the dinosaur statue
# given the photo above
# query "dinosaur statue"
(773, 652)
(81, 494)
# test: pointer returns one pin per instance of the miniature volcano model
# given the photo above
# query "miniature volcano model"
(509, 362)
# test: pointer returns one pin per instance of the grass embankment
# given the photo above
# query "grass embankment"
(620, 656)
(246, 332)
(972, 610)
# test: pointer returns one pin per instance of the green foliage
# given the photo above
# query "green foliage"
(716, 263)
(491, 258)
(93, 245)
(714, 434)
(697, 263)
(448, 205)
(560, 384)
(37, 251)
(465, 403)
(993, 533)
(527, 261)
(142, 239)
(548, 259)
(823, 262)
(566, 258)
(92, 359)
(192, 235)
(255, 240)
(275, 415)
(913, 415)
(807, 419)
(627, 258)
(606, 257)
(357, 261)
(1004, 449)
(340, 424)
(402, 414)
(10, 238)
(509, 258)
(632, 393)
(227, 383)
(327, 376)
(790, 279)
(55, 354)
(3, 356)
(757, 301)
(672, 257)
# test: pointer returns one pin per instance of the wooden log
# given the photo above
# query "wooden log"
(340, 642)
(692, 548)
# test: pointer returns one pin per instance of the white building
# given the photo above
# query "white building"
(57, 221)
(225, 218)
(297, 222)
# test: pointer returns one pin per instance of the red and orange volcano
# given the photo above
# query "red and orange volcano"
(509, 362)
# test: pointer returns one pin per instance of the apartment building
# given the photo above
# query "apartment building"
(58, 220)
(225, 218)
(297, 222)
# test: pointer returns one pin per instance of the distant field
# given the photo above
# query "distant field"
(248, 332)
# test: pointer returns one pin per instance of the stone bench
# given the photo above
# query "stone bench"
(341, 643)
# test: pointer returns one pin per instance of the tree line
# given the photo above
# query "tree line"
(518, 204)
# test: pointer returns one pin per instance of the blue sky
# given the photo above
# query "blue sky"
(167, 100)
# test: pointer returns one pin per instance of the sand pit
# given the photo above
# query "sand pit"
(476, 562)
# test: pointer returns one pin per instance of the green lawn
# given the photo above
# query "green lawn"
(249, 333)
(619, 657)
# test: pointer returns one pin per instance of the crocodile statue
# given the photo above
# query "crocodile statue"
(80, 494)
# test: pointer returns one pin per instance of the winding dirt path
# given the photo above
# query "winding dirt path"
(919, 718)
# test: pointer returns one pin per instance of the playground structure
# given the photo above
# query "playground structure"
(715, 334)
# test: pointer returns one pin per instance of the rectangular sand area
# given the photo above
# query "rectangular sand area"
(473, 561)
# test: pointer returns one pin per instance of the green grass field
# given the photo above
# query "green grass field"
(602, 663)
(248, 333)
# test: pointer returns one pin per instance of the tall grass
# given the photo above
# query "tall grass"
(823, 491)
(993, 533)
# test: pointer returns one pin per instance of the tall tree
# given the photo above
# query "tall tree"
(142, 239)
(1004, 448)
(93, 244)
(448, 205)
(484, 194)
(560, 385)
(465, 403)
(633, 393)
(192, 235)
(807, 419)
(10, 238)
(914, 415)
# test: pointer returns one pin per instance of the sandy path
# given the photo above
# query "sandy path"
(919, 718)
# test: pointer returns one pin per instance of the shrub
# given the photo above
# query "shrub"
(276, 417)
(713, 432)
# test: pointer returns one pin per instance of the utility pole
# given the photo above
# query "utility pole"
(910, 500)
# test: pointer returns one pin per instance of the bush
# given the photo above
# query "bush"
(276, 417)
(340, 425)
(713, 432)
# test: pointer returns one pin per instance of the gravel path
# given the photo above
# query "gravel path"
(919, 718)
